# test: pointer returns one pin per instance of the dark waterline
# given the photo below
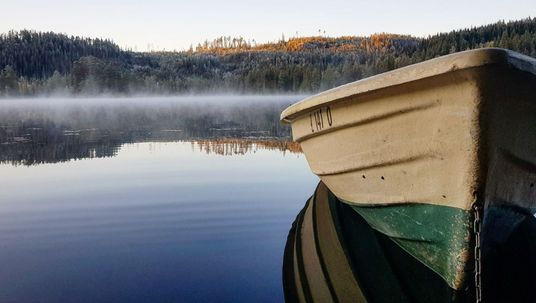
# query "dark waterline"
(157, 222)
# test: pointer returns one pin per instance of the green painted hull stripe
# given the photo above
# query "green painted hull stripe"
(438, 236)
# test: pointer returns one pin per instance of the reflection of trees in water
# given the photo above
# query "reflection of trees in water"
(32, 133)
(23, 145)
(74, 145)
(32, 154)
(241, 146)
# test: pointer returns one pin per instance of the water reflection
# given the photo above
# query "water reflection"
(73, 148)
(157, 222)
(333, 255)
(150, 211)
(33, 154)
(51, 131)
(241, 146)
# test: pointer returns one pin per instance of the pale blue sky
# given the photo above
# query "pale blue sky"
(177, 24)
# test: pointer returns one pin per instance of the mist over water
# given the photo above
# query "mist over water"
(176, 199)
(124, 114)
(65, 127)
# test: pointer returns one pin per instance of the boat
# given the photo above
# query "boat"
(428, 153)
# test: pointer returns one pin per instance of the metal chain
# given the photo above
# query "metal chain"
(477, 228)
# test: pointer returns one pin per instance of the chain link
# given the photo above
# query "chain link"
(477, 228)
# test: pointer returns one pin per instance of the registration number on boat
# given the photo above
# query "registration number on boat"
(320, 118)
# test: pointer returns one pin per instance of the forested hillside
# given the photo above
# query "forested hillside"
(34, 63)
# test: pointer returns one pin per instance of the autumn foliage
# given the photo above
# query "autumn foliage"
(376, 42)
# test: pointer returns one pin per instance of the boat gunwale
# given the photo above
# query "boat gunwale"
(427, 69)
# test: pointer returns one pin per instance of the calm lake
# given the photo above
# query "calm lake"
(152, 220)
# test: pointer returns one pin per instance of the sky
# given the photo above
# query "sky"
(143, 25)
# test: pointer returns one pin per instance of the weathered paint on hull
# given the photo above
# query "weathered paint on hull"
(438, 236)
(396, 148)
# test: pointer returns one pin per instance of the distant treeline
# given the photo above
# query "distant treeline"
(33, 63)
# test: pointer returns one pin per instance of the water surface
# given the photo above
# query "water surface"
(149, 222)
